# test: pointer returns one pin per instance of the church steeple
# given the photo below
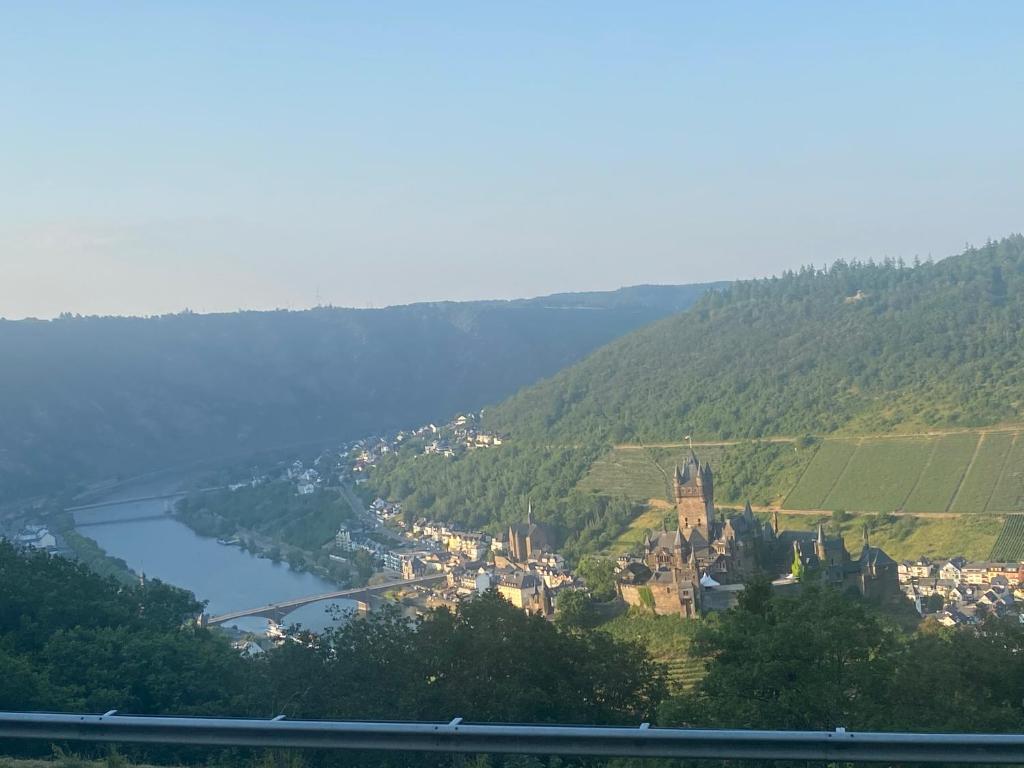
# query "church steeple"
(820, 543)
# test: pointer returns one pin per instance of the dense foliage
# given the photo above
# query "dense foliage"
(492, 488)
(487, 662)
(823, 660)
(88, 397)
(71, 640)
(273, 510)
(274, 520)
(856, 347)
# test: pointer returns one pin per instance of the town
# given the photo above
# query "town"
(695, 566)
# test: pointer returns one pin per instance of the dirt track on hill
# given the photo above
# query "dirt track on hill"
(828, 512)
(869, 436)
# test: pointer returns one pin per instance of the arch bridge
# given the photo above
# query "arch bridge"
(278, 611)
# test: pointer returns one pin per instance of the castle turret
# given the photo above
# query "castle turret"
(693, 488)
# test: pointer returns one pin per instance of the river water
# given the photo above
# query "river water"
(225, 576)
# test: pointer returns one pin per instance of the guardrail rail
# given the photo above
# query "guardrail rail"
(457, 736)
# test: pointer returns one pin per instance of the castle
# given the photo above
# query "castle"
(874, 574)
(702, 550)
(679, 570)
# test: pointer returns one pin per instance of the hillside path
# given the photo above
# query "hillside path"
(868, 436)
(828, 512)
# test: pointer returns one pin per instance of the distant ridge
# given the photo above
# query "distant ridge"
(856, 347)
(83, 398)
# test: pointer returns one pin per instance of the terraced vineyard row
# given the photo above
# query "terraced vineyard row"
(963, 473)
(639, 472)
(683, 674)
(1010, 544)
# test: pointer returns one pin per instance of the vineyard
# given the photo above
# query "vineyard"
(962, 473)
(821, 475)
(642, 473)
(1010, 544)
(667, 639)
(941, 476)
(983, 476)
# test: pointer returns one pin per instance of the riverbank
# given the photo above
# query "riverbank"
(272, 520)
(147, 540)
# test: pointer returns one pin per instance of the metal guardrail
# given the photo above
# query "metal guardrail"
(456, 736)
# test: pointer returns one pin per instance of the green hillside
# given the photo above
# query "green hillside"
(807, 381)
(855, 348)
(86, 398)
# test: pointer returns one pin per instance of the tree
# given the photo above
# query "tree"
(486, 661)
(797, 568)
(598, 573)
(815, 662)
(575, 610)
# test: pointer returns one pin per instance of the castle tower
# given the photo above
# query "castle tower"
(819, 544)
(693, 489)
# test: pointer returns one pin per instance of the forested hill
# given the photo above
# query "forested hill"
(89, 397)
(855, 347)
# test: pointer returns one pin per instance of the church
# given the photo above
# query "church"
(702, 551)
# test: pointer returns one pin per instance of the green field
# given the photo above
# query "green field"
(879, 475)
(643, 473)
(942, 474)
(963, 472)
(1010, 544)
(821, 474)
(631, 472)
(1009, 493)
(650, 520)
(983, 474)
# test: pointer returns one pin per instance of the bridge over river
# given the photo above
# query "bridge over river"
(277, 611)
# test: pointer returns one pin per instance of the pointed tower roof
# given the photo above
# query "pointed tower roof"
(821, 533)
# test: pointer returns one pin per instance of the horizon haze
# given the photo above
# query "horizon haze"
(233, 157)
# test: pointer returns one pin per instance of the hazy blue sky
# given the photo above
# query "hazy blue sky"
(216, 155)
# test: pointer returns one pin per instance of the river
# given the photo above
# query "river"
(225, 576)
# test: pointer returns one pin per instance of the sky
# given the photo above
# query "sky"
(159, 156)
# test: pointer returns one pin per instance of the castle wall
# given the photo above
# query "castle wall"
(661, 599)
